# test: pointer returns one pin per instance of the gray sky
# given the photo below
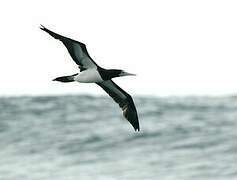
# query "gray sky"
(174, 47)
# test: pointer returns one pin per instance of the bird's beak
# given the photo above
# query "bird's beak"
(123, 73)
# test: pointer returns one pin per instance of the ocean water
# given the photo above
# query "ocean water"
(86, 137)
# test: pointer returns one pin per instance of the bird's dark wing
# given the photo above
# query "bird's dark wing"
(76, 49)
(124, 100)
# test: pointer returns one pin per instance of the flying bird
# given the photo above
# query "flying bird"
(90, 72)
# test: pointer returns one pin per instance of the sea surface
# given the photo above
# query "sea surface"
(86, 138)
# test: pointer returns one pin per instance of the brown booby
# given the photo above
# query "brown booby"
(90, 72)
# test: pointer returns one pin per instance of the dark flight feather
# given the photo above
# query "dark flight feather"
(124, 100)
(76, 49)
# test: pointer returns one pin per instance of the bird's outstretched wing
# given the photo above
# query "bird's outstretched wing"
(124, 100)
(76, 49)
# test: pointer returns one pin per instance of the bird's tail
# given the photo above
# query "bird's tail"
(65, 78)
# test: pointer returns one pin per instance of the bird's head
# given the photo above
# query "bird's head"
(118, 73)
(124, 73)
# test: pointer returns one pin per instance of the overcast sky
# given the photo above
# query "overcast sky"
(175, 47)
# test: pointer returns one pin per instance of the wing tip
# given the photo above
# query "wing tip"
(42, 27)
(53, 34)
(137, 128)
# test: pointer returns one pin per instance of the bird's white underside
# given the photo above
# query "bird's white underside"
(88, 76)
(93, 76)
